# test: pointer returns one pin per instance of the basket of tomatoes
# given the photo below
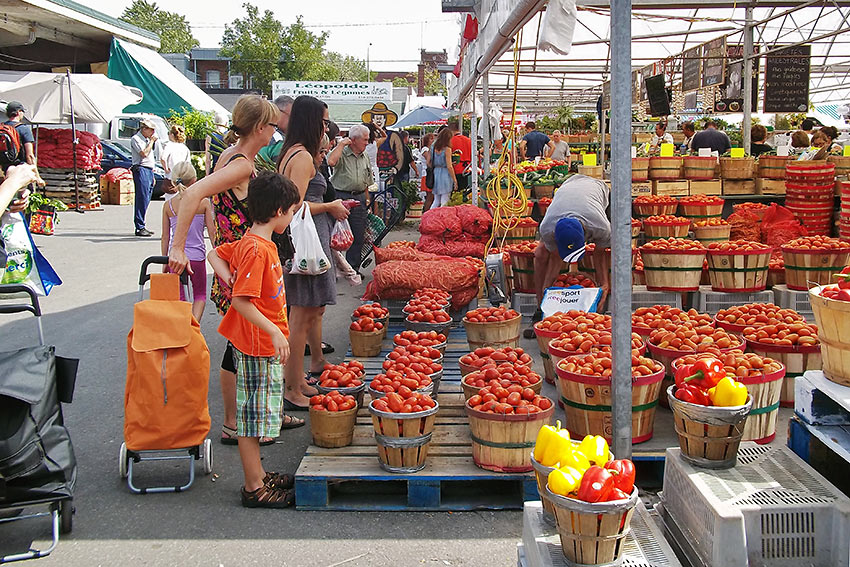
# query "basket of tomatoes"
(492, 326)
(403, 423)
(668, 344)
(440, 295)
(673, 264)
(712, 230)
(489, 356)
(831, 305)
(345, 378)
(422, 338)
(650, 205)
(400, 379)
(637, 225)
(638, 275)
(503, 374)
(438, 321)
(366, 336)
(399, 359)
(574, 343)
(813, 259)
(738, 265)
(522, 265)
(585, 386)
(647, 319)
(374, 310)
(701, 207)
(739, 317)
(551, 328)
(776, 269)
(665, 226)
(543, 204)
(332, 418)
(516, 229)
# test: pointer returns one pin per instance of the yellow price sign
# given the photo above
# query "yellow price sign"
(588, 159)
(667, 150)
(847, 151)
(737, 152)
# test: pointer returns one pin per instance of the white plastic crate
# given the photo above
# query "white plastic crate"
(641, 297)
(770, 510)
(793, 299)
(525, 303)
(709, 301)
(645, 545)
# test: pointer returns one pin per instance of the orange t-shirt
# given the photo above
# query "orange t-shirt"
(259, 276)
(462, 144)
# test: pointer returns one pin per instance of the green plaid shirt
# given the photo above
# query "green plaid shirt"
(352, 173)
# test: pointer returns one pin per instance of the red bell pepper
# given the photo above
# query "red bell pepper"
(705, 373)
(596, 484)
(692, 394)
(617, 494)
(624, 474)
(844, 278)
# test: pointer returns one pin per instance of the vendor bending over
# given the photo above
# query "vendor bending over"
(575, 217)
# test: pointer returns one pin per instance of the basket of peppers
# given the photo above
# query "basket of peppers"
(709, 411)
(591, 495)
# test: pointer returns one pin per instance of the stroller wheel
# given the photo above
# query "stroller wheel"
(208, 456)
(122, 460)
(66, 516)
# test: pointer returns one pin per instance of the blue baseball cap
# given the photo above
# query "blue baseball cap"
(569, 234)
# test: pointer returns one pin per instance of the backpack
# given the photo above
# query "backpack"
(386, 154)
(10, 146)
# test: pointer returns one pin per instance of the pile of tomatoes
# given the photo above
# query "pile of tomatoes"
(689, 337)
(675, 244)
(522, 247)
(816, 243)
(654, 200)
(346, 375)
(427, 316)
(398, 360)
(503, 374)
(701, 200)
(647, 319)
(758, 208)
(599, 364)
(432, 293)
(491, 315)
(733, 246)
(407, 402)
(394, 380)
(366, 325)
(777, 262)
(574, 320)
(333, 401)
(583, 343)
(666, 220)
(784, 334)
(526, 222)
(373, 310)
(421, 338)
(486, 356)
(569, 280)
(420, 350)
(741, 364)
(402, 244)
(511, 400)
(711, 222)
(418, 305)
(757, 314)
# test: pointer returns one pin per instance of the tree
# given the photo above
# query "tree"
(175, 34)
(303, 53)
(338, 67)
(433, 84)
(407, 81)
(255, 45)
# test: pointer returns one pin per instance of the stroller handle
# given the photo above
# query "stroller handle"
(33, 307)
(162, 261)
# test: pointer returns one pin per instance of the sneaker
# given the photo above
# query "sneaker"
(143, 232)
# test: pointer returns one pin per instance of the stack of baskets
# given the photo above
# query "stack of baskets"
(844, 219)
(701, 207)
(810, 192)
(403, 438)
(640, 169)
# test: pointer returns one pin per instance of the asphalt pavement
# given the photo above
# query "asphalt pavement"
(88, 317)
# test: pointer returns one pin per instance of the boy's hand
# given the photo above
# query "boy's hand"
(281, 346)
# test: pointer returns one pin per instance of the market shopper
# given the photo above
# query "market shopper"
(560, 148)
(271, 151)
(440, 159)
(175, 152)
(535, 143)
(799, 140)
(144, 147)
(15, 113)
(424, 157)
(711, 138)
(408, 163)
(352, 176)
(758, 134)
(688, 131)
(299, 159)
(461, 145)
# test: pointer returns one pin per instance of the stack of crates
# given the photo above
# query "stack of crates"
(709, 301)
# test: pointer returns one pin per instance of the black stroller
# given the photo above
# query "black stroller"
(37, 464)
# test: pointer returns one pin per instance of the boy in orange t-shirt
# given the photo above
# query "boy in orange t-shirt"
(257, 328)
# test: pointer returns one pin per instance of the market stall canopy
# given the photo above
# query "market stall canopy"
(164, 87)
(47, 97)
(421, 115)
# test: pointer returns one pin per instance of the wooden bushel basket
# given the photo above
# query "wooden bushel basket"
(842, 166)
(415, 210)
(541, 191)
(497, 334)
(698, 167)
(640, 169)
(469, 390)
(709, 234)
(772, 167)
(516, 233)
(643, 210)
(775, 276)
(736, 168)
(543, 339)
(672, 270)
(356, 391)
(833, 320)
(817, 266)
(708, 436)
(674, 229)
(665, 167)
(332, 428)
(700, 212)
(592, 533)
(403, 438)
(587, 401)
(591, 170)
(503, 442)
(385, 321)
(366, 344)
(738, 271)
(797, 359)
(541, 474)
(522, 268)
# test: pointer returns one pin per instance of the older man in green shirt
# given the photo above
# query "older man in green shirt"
(352, 175)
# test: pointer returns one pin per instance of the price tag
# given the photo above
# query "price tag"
(782, 151)
(588, 159)
(646, 148)
(737, 152)
(667, 150)
(563, 299)
(846, 151)
(634, 151)
(705, 152)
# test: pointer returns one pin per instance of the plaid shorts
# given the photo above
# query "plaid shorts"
(259, 395)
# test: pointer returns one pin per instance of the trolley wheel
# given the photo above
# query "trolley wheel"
(122, 460)
(208, 456)
(66, 516)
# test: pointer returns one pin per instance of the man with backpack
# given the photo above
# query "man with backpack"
(16, 135)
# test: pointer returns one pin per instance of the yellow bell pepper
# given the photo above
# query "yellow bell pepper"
(595, 448)
(728, 393)
(558, 446)
(545, 437)
(564, 480)
(574, 459)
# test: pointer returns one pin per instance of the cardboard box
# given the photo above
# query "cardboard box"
(104, 190)
(676, 188)
(708, 187)
(641, 188)
(739, 187)
(121, 192)
(766, 186)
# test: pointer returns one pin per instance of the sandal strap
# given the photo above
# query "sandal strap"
(230, 431)
(279, 480)
(271, 493)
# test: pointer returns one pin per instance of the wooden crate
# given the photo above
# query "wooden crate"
(641, 188)
(712, 187)
(765, 186)
(739, 187)
(121, 192)
(673, 188)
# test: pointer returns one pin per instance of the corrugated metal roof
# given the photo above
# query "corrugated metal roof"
(70, 4)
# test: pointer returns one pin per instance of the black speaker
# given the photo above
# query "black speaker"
(656, 92)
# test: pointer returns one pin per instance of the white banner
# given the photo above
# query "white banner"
(333, 91)
(563, 299)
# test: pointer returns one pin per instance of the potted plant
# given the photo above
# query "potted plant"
(198, 125)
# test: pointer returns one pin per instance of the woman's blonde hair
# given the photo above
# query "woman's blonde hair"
(178, 132)
(250, 112)
(183, 174)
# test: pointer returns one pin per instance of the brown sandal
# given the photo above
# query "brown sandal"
(268, 496)
(279, 480)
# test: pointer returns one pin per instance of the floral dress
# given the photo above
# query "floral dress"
(231, 219)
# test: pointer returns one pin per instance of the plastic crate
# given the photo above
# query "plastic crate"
(770, 510)
(793, 299)
(641, 297)
(645, 545)
(709, 301)
(526, 304)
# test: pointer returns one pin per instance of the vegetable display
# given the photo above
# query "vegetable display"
(506, 401)
(333, 401)
(486, 356)
(404, 401)
(366, 325)
(421, 338)
(706, 383)
(693, 338)
(735, 362)
(346, 375)
(491, 314)
(502, 375)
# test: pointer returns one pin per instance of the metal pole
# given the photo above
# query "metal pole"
(74, 142)
(485, 100)
(748, 79)
(601, 131)
(473, 135)
(621, 212)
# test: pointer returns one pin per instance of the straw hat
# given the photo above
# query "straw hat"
(381, 109)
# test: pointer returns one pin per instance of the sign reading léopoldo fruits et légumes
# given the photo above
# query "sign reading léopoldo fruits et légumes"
(335, 91)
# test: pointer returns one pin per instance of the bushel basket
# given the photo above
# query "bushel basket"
(503, 442)
(403, 438)
(738, 271)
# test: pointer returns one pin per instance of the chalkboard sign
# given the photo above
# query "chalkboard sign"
(786, 79)
(732, 93)
(691, 68)
(659, 102)
(645, 73)
(606, 95)
(713, 62)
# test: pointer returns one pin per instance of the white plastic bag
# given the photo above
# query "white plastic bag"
(563, 299)
(310, 259)
(24, 263)
(341, 236)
